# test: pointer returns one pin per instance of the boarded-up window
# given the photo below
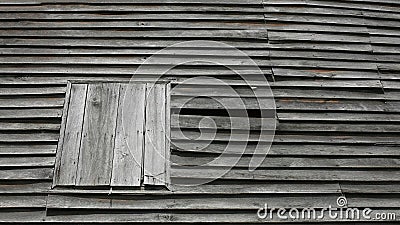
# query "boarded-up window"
(114, 134)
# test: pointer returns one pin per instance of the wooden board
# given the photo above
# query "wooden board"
(129, 141)
(95, 156)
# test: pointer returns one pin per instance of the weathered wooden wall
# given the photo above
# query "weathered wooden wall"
(333, 67)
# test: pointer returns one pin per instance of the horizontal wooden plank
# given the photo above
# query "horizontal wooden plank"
(343, 117)
(219, 122)
(241, 217)
(72, 42)
(286, 162)
(26, 188)
(334, 127)
(285, 36)
(132, 8)
(23, 102)
(26, 174)
(143, 24)
(370, 188)
(105, 2)
(30, 113)
(31, 91)
(22, 201)
(37, 161)
(338, 56)
(170, 33)
(27, 149)
(126, 60)
(310, 10)
(317, 19)
(123, 71)
(187, 202)
(204, 135)
(280, 149)
(60, 16)
(110, 51)
(29, 137)
(287, 175)
(13, 126)
(321, 64)
(219, 189)
(324, 73)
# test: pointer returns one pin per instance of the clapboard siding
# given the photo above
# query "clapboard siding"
(332, 67)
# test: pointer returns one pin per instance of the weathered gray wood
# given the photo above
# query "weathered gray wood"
(129, 139)
(358, 188)
(22, 201)
(225, 189)
(242, 217)
(9, 149)
(187, 135)
(59, 16)
(71, 135)
(30, 113)
(219, 122)
(13, 126)
(26, 174)
(132, 43)
(95, 156)
(286, 162)
(27, 161)
(243, 34)
(280, 149)
(29, 187)
(31, 91)
(344, 117)
(188, 202)
(155, 152)
(132, 25)
(32, 102)
(34, 136)
(287, 175)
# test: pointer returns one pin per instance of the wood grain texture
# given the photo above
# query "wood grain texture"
(129, 139)
(71, 136)
(95, 156)
(155, 152)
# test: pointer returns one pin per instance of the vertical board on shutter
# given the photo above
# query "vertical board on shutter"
(127, 160)
(70, 138)
(155, 156)
(95, 158)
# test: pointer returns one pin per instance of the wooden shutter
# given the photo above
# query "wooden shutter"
(114, 134)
